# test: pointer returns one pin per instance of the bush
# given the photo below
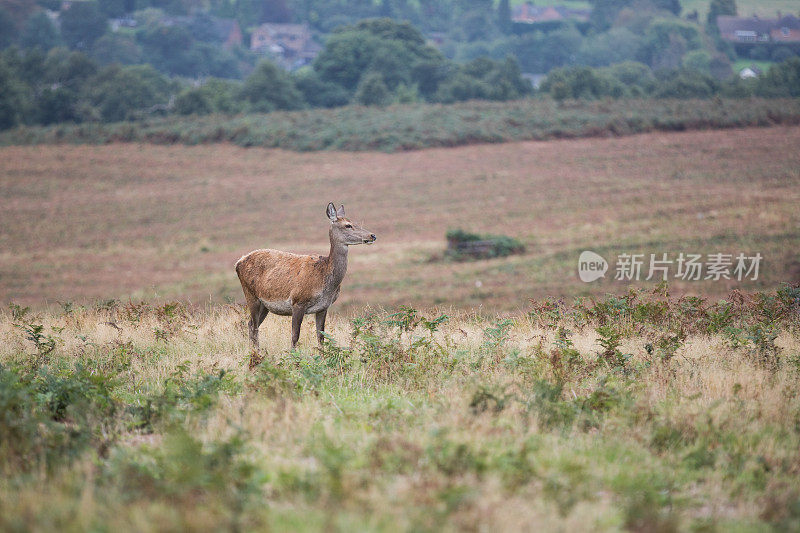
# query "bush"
(462, 245)
(373, 91)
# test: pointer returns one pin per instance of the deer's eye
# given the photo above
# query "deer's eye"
(348, 226)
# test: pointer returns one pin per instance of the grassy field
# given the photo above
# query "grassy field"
(168, 222)
(638, 412)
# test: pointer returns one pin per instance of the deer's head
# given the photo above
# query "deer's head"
(345, 231)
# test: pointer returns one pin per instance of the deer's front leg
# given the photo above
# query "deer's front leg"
(297, 321)
(321, 324)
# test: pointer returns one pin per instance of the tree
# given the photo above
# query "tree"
(11, 96)
(667, 40)
(504, 16)
(40, 32)
(270, 88)
(781, 80)
(276, 11)
(395, 50)
(686, 84)
(673, 6)
(372, 91)
(117, 48)
(7, 29)
(82, 24)
(319, 93)
(193, 102)
(122, 93)
(604, 12)
(717, 8)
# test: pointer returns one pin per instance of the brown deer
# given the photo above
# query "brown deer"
(297, 285)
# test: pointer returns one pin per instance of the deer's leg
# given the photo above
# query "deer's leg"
(321, 324)
(297, 321)
(255, 321)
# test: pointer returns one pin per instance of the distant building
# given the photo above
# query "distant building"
(755, 30)
(291, 45)
(528, 13)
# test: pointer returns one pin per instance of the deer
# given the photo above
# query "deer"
(296, 285)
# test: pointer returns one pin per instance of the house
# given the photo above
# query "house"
(787, 30)
(528, 13)
(755, 30)
(291, 45)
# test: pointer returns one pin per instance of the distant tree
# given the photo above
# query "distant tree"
(11, 98)
(667, 40)
(275, 11)
(606, 48)
(193, 102)
(82, 24)
(475, 25)
(223, 95)
(18, 10)
(122, 93)
(117, 48)
(319, 93)
(781, 54)
(717, 8)
(781, 80)
(372, 91)
(270, 88)
(7, 29)
(395, 50)
(581, 83)
(40, 32)
(52, 5)
(59, 104)
(113, 8)
(636, 77)
(686, 84)
(697, 60)
(504, 16)
(69, 69)
(460, 87)
(604, 12)
(673, 6)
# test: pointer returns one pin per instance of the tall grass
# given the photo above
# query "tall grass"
(409, 127)
(636, 411)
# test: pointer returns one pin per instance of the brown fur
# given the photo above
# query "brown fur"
(296, 285)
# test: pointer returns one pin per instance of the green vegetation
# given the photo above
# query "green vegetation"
(637, 411)
(463, 245)
(415, 126)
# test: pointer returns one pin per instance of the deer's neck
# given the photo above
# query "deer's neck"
(337, 265)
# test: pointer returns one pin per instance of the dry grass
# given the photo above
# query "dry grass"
(396, 438)
(163, 222)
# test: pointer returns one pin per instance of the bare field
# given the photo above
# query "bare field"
(168, 222)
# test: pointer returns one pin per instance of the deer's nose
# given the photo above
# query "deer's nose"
(373, 236)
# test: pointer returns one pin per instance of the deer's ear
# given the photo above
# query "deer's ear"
(331, 212)
(340, 211)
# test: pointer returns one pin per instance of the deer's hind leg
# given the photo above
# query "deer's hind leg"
(258, 312)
